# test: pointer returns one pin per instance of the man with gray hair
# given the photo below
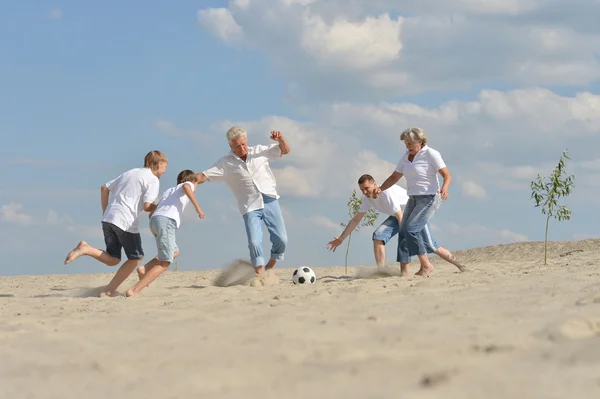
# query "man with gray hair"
(247, 173)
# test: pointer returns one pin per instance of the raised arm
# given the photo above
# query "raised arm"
(283, 145)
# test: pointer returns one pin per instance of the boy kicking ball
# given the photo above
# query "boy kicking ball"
(164, 222)
(132, 192)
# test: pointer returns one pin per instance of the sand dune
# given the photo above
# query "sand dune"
(509, 328)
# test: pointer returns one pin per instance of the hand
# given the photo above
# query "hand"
(200, 214)
(376, 192)
(276, 135)
(334, 244)
(444, 194)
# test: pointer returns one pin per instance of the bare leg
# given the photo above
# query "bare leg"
(83, 248)
(151, 274)
(426, 266)
(404, 269)
(379, 250)
(448, 257)
(124, 271)
(142, 270)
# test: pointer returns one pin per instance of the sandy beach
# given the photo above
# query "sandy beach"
(509, 328)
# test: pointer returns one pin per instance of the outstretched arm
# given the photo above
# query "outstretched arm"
(390, 181)
(332, 245)
(188, 191)
(283, 145)
(201, 177)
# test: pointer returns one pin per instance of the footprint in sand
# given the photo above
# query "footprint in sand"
(572, 329)
(594, 298)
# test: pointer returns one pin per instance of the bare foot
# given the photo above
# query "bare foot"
(105, 294)
(131, 292)
(452, 259)
(78, 251)
(259, 270)
(424, 270)
(269, 277)
(404, 270)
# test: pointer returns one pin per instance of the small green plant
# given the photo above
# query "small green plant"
(547, 190)
(368, 220)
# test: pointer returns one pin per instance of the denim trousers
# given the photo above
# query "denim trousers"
(389, 228)
(419, 209)
(272, 217)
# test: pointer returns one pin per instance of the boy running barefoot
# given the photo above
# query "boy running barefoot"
(164, 222)
(132, 192)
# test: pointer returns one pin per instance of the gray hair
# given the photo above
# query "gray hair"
(414, 134)
(235, 133)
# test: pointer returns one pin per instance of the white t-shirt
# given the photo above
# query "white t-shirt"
(422, 173)
(249, 180)
(128, 193)
(173, 202)
(388, 202)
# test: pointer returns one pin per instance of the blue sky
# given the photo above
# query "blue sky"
(502, 88)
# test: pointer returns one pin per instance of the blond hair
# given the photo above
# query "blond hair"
(153, 159)
(413, 135)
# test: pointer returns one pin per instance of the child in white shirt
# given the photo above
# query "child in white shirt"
(123, 199)
(164, 222)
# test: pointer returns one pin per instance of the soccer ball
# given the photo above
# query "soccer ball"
(304, 275)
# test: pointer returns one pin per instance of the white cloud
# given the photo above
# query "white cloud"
(220, 23)
(358, 45)
(363, 49)
(325, 222)
(473, 190)
(11, 213)
(55, 13)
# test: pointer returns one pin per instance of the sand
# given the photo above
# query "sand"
(509, 328)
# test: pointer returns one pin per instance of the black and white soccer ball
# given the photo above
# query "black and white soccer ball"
(304, 275)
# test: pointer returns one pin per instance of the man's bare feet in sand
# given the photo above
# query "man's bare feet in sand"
(78, 251)
(404, 269)
(425, 270)
(131, 292)
(105, 294)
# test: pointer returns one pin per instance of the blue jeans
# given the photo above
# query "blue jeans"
(419, 209)
(389, 228)
(273, 219)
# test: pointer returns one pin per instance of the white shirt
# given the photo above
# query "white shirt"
(173, 202)
(422, 173)
(128, 193)
(249, 180)
(388, 202)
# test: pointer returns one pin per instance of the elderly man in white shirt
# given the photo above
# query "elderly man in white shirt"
(248, 175)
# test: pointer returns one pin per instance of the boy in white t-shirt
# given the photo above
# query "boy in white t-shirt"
(123, 199)
(164, 222)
